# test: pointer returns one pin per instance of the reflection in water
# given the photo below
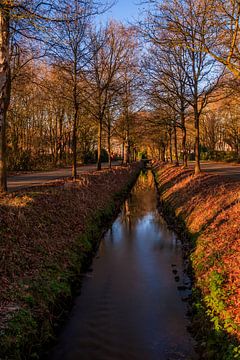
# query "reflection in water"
(130, 307)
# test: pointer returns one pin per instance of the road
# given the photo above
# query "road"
(218, 168)
(22, 181)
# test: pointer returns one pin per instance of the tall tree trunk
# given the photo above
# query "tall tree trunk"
(123, 147)
(163, 152)
(176, 145)
(126, 146)
(61, 136)
(109, 149)
(184, 139)
(75, 119)
(170, 146)
(126, 152)
(74, 145)
(99, 164)
(56, 140)
(5, 89)
(197, 168)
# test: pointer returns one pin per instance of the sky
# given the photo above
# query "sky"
(124, 10)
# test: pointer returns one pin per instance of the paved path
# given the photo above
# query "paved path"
(217, 168)
(23, 181)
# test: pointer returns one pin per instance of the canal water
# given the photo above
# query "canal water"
(131, 305)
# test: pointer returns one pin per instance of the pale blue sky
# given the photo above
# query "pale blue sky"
(124, 10)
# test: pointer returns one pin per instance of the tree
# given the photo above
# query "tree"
(180, 22)
(31, 20)
(220, 38)
(70, 51)
(5, 85)
(167, 84)
(109, 49)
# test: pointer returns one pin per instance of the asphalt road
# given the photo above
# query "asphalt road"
(27, 180)
(23, 181)
(218, 168)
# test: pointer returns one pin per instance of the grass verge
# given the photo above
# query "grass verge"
(204, 210)
(47, 236)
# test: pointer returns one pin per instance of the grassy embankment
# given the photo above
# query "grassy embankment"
(205, 210)
(47, 235)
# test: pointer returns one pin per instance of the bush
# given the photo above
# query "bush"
(142, 155)
(104, 155)
(21, 162)
(88, 157)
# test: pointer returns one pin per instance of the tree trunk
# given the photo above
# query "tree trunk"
(163, 153)
(170, 147)
(126, 158)
(123, 146)
(126, 152)
(184, 138)
(61, 137)
(197, 168)
(5, 89)
(74, 145)
(109, 149)
(176, 145)
(99, 164)
(75, 119)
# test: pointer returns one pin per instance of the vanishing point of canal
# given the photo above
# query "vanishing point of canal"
(130, 306)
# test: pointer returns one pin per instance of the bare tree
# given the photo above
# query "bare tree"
(32, 20)
(167, 83)
(109, 48)
(171, 21)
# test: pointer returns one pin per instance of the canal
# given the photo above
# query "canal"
(132, 304)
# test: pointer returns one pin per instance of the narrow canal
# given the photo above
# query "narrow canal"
(131, 304)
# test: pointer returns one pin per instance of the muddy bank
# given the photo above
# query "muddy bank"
(205, 212)
(46, 236)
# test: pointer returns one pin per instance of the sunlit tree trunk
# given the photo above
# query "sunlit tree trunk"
(75, 119)
(184, 136)
(176, 145)
(5, 86)
(197, 168)
(74, 146)
(184, 139)
(170, 146)
(126, 150)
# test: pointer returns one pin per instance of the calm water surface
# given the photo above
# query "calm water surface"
(130, 306)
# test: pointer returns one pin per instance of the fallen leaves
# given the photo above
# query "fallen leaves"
(210, 207)
(39, 227)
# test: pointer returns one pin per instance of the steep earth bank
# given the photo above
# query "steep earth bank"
(205, 211)
(47, 235)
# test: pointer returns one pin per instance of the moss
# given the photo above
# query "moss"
(20, 335)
